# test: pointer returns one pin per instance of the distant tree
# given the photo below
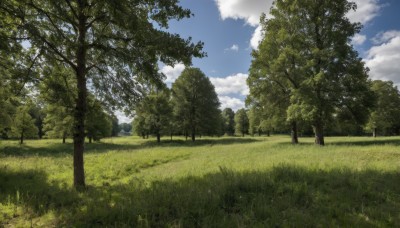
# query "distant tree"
(23, 125)
(97, 121)
(126, 127)
(158, 112)
(115, 126)
(254, 116)
(196, 103)
(139, 126)
(37, 112)
(386, 114)
(228, 116)
(242, 122)
(58, 122)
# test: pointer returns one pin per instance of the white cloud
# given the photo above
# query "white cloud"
(172, 73)
(358, 39)
(248, 10)
(383, 59)
(234, 47)
(231, 102)
(251, 10)
(366, 11)
(122, 118)
(234, 84)
(256, 38)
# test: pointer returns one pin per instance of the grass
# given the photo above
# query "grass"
(214, 182)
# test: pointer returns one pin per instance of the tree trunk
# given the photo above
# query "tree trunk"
(63, 138)
(295, 138)
(158, 137)
(22, 138)
(171, 136)
(90, 140)
(80, 108)
(147, 135)
(193, 135)
(319, 133)
(242, 133)
(268, 133)
(374, 132)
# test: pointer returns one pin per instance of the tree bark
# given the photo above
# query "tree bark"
(319, 133)
(374, 132)
(193, 134)
(158, 137)
(80, 108)
(295, 138)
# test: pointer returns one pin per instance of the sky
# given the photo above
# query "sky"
(230, 31)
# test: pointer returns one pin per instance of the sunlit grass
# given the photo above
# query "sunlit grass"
(212, 182)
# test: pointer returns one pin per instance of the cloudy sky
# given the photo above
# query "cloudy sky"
(229, 29)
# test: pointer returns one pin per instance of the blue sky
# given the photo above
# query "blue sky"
(229, 29)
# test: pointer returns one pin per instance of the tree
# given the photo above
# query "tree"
(115, 125)
(254, 116)
(196, 103)
(58, 122)
(125, 127)
(158, 112)
(386, 113)
(314, 60)
(114, 45)
(139, 126)
(98, 124)
(228, 116)
(23, 124)
(242, 122)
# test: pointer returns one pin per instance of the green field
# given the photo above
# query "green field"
(214, 182)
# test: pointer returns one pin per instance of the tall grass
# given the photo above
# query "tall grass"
(225, 182)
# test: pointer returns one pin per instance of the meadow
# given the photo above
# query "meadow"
(214, 182)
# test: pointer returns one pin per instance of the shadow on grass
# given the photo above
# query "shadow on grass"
(284, 196)
(198, 142)
(55, 150)
(367, 141)
(63, 149)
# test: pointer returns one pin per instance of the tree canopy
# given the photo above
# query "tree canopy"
(196, 103)
(308, 61)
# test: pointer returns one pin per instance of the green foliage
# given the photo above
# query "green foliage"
(241, 122)
(228, 116)
(154, 114)
(23, 125)
(196, 104)
(58, 122)
(98, 123)
(385, 115)
(307, 64)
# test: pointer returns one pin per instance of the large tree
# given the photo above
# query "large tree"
(112, 44)
(196, 103)
(308, 54)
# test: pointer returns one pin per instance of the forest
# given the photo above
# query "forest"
(317, 134)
